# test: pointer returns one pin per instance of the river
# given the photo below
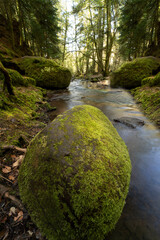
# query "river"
(140, 219)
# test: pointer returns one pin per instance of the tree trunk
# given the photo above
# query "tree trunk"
(20, 16)
(8, 11)
(65, 38)
(7, 80)
(99, 60)
(101, 21)
(109, 36)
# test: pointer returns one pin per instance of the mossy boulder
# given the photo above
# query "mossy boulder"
(47, 73)
(145, 81)
(130, 74)
(17, 79)
(75, 176)
(155, 81)
(29, 80)
(149, 100)
(152, 81)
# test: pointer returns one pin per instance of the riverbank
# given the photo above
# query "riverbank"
(21, 117)
(148, 99)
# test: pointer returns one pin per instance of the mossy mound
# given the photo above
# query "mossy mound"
(152, 81)
(75, 177)
(21, 114)
(145, 81)
(17, 79)
(149, 100)
(29, 80)
(47, 73)
(130, 74)
(155, 81)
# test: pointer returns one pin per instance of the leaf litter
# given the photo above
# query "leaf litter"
(15, 222)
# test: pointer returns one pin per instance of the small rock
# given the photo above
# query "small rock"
(130, 122)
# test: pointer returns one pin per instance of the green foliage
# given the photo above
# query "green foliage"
(37, 25)
(44, 26)
(47, 73)
(139, 25)
(149, 99)
(75, 176)
(130, 74)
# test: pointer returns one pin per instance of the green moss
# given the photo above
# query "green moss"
(75, 176)
(149, 99)
(23, 106)
(47, 73)
(6, 53)
(130, 74)
(152, 81)
(29, 80)
(155, 81)
(17, 79)
(19, 114)
(146, 81)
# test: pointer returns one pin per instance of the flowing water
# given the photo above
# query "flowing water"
(140, 219)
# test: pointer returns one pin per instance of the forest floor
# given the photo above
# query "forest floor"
(18, 125)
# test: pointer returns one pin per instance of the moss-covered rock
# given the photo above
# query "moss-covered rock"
(29, 80)
(18, 79)
(130, 74)
(75, 177)
(151, 81)
(145, 81)
(149, 100)
(155, 81)
(47, 73)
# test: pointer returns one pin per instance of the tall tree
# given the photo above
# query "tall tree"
(99, 18)
(38, 26)
(139, 27)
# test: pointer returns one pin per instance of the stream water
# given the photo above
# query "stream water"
(140, 219)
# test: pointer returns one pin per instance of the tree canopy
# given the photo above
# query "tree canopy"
(37, 22)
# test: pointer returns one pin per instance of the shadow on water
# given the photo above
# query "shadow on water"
(140, 219)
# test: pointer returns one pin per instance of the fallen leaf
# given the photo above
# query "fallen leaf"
(13, 157)
(30, 233)
(19, 161)
(11, 177)
(4, 219)
(12, 211)
(6, 169)
(2, 233)
(19, 217)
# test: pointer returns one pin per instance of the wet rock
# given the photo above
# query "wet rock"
(75, 177)
(130, 122)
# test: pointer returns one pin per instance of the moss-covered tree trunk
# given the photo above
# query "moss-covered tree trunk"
(7, 80)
